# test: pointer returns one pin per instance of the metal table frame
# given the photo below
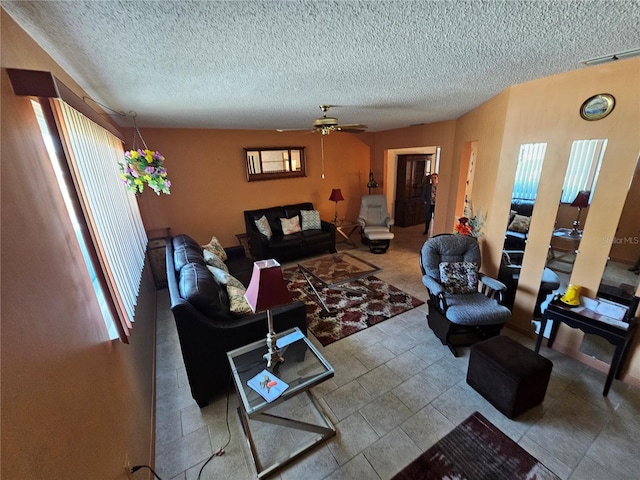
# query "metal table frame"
(309, 276)
(255, 408)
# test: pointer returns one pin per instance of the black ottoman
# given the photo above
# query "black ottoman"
(510, 376)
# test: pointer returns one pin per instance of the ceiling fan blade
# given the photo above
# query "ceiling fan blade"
(351, 128)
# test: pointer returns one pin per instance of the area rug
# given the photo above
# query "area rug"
(476, 450)
(373, 301)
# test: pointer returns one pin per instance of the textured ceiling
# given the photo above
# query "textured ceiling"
(269, 64)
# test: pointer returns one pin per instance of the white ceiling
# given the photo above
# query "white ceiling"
(269, 64)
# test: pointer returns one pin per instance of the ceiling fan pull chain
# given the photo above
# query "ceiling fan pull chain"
(322, 153)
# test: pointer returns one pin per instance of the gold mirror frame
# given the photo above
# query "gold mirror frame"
(597, 107)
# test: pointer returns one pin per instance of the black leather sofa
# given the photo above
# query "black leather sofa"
(516, 240)
(287, 247)
(206, 327)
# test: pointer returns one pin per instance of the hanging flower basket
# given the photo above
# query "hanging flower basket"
(144, 166)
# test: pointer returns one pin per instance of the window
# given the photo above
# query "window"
(105, 216)
(528, 170)
(583, 169)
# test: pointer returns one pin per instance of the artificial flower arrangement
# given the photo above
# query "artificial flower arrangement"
(144, 166)
(471, 224)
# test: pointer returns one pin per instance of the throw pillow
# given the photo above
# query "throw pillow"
(225, 278)
(238, 305)
(290, 225)
(310, 220)
(459, 277)
(213, 260)
(520, 224)
(263, 227)
(214, 247)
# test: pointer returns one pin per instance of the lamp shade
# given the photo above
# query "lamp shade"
(336, 195)
(582, 199)
(267, 288)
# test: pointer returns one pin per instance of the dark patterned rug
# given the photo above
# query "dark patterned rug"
(372, 301)
(476, 450)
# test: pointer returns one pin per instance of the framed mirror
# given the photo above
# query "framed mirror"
(523, 197)
(622, 272)
(577, 190)
(275, 162)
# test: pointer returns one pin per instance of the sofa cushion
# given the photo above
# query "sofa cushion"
(459, 277)
(520, 224)
(183, 241)
(316, 236)
(296, 208)
(238, 305)
(290, 225)
(185, 254)
(213, 260)
(224, 278)
(264, 227)
(287, 241)
(214, 247)
(310, 220)
(198, 286)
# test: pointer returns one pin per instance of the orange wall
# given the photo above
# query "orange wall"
(74, 404)
(546, 110)
(440, 134)
(210, 190)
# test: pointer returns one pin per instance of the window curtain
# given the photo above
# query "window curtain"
(111, 213)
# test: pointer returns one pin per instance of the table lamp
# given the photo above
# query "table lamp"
(581, 201)
(267, 290)
(336, 196)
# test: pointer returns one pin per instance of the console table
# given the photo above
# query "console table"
(589, 322)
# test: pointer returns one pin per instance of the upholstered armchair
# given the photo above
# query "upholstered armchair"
(375, 223)
(464, 304)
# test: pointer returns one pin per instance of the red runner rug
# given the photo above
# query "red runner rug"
(476, 450)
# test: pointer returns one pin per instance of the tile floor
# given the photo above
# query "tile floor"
(396, 391)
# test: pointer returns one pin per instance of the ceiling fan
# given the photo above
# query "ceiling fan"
(326, 125)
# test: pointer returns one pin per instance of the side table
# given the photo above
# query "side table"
(156, 250)
(590, 322)
(304, 367)
(346, 228)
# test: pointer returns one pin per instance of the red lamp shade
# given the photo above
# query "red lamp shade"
(582, 199)
(267, 288)
(336, 195)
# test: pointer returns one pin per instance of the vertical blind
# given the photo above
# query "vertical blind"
(528, 171)
(583, 168)
(111, 212)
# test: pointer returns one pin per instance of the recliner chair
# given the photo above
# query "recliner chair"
(464, 304)
(375, 223)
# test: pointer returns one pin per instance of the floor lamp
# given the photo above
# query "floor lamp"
(266, 291)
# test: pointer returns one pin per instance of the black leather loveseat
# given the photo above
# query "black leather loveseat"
(206, 327)
(294, 245)
(518, 226)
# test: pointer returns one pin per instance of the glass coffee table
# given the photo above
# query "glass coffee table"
(333, 271)
(303, 368)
